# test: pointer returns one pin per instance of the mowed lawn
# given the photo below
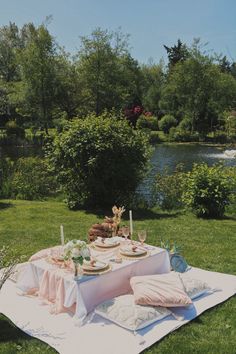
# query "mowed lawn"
(210, 244)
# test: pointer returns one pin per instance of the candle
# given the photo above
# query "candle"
(130, 222)
(62, 235)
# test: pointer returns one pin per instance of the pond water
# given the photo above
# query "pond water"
(172, 154)
(167, 156)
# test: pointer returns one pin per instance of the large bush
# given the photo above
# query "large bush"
(168, 189)
(168, 121)
(147, 122)
(99, 161)
(32, 179)
(207, 190)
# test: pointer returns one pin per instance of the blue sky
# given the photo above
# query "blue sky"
(150, 23)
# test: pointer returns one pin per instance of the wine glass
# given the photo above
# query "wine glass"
(142, 235)
(125, 232)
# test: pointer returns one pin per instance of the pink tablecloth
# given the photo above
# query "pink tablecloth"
(58, 287)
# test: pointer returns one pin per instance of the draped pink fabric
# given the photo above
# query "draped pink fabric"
(52, 289)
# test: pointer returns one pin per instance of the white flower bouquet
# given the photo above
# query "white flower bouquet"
(77, 251)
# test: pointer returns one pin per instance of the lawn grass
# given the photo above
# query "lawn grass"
(209, 244)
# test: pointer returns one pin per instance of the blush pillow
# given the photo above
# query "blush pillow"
(160, 290)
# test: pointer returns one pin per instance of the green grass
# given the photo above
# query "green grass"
(209, 244)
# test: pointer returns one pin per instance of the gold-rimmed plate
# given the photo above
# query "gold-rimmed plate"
(106, 244)
(133, 253)
(98, 271)
(97, 266)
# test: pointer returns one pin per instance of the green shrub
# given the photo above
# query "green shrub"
(168, 189)
(99, 161)
(220, 137)
(167, 122)
(175, 134)
(148, 122)
(154, 137)
(232, 138)
(185, 125)
(207, 190)
(32, 179)
(14, 131)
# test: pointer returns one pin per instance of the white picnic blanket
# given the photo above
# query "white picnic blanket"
(101, 336)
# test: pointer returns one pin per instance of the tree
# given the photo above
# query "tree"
(109, 75)
(224, 65)
(177, 53)
(10, 44)
(39, 75)
(68, 89)
(153, 80)
(198, 89)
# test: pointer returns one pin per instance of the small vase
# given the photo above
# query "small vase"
(78, 270)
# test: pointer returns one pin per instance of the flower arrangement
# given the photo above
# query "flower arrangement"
(76, 250)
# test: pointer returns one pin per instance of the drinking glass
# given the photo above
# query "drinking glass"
(142, 235)
(125, 232)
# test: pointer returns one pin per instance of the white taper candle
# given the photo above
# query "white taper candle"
(131, 222)
(62, 235)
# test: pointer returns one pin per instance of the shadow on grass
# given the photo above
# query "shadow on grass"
(10, 333)
(214, 218)
(229, 217)
(138, 214)
(5, 205)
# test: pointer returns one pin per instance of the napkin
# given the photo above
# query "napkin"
(107, 241)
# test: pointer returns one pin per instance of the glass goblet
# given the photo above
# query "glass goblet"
(142, 235)
(125, 232)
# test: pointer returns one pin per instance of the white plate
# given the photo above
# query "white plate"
(97, 266)
(106, 244)
(129, 252)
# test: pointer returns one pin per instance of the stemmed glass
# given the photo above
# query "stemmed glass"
(142, 235)
(125, 232)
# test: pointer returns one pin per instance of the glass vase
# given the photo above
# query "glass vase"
(78, 270)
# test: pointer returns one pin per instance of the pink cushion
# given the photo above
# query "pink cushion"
(159, 290)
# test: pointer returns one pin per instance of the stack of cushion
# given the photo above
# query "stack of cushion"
(151, 298)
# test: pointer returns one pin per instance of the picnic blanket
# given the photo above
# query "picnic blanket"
(102, 336)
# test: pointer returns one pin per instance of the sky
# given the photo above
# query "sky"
(150, 23)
